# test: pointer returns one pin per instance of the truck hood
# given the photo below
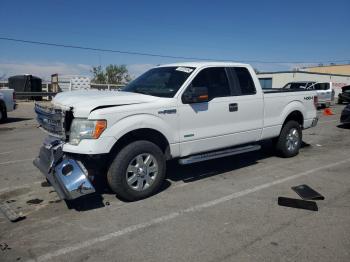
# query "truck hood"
(83, 102)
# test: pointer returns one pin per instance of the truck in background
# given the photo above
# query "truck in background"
(7, 103)
(325, 90)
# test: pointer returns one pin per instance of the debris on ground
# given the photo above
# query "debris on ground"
(307, 193)
(4, 246)
(45, 184)
(34, 201)
(297, 203)
(11, 214)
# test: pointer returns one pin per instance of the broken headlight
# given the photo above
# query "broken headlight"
(85, 129)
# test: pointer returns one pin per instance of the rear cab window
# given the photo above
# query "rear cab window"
(242, 80)
(322, 86)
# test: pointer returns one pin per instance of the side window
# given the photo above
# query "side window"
(322, 86)
(215, 79)
(245, 81)
(266, 82)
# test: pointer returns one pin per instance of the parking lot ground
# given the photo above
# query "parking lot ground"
(219, 210)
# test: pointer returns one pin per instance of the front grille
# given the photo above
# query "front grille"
(50, 119)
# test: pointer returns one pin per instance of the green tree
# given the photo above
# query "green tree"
(112, 74)
(99, 75)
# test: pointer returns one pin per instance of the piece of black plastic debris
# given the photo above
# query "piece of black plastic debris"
(307, 193)
(34, 201)
(297, 203)
(11, 214)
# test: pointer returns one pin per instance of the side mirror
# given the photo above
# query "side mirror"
(195, 95)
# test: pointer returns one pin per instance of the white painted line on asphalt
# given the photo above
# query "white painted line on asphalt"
(7, 189)
(28, 147)
(4, 153)
(162, 219)
(16, 161)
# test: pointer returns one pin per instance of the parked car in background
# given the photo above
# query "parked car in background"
(345, 115)
(344, 96)
(325, 90)
(7, 103)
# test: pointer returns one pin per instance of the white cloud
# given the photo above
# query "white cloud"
(45, 70)
(42, 70)
(137, 69)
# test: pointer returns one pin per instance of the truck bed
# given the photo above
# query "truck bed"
(283, 90)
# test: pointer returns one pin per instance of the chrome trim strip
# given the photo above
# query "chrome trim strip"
(218, 154)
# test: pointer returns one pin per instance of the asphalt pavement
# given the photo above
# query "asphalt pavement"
(219, 210)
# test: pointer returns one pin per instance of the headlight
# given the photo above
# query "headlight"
(86, 129)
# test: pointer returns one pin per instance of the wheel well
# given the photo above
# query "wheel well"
(296, 116)
(148, 134)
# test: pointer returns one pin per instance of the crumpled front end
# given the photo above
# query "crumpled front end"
(68, 176)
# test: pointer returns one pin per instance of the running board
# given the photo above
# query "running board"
(218, 154)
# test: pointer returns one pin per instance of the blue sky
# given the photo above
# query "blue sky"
(236, 30)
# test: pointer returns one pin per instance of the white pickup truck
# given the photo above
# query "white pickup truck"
(325, 90)
(187, 111)
(7, 103)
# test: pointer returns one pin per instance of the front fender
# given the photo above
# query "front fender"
(130, 123)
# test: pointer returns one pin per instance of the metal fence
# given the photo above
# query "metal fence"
(47, 94)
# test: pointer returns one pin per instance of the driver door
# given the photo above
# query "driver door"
(207, 125)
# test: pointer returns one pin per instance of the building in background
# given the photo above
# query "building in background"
(279, 79)
(329, 69)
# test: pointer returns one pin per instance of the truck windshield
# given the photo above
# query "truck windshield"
(160, 81)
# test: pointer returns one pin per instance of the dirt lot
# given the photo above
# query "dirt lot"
(221, 210)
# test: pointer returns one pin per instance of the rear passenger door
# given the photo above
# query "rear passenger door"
(248, 119)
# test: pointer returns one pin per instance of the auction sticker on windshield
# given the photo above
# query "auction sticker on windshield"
(184, 69)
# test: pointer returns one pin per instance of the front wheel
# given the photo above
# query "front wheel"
(138, 171)
(289, 140)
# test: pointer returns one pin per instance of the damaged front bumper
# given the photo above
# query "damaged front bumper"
(68, 176)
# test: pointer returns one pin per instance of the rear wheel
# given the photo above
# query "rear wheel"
(289, 140)
(137, 171)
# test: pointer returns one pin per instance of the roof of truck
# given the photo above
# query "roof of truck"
(204, 63)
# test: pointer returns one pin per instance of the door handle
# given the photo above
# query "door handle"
(233, 107)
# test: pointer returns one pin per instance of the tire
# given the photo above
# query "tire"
(289, 141)
(340, 101)
(130, 164)
(3, 114)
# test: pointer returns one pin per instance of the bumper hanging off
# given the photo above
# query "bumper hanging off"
(68, 176)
